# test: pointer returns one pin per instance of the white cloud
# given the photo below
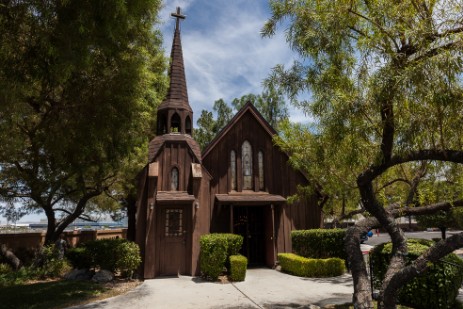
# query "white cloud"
(224, 53)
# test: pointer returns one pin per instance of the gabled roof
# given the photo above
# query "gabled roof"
(247, 108)
(158, 142)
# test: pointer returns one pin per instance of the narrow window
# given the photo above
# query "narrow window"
(162, 125)
(260, 161)
(175, 123)
(174, 179)
(246, 157)
(233, 169)
(188, 125)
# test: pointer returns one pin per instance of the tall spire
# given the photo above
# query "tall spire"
(177, 95)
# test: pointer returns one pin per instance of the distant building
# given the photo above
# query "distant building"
(238, 184)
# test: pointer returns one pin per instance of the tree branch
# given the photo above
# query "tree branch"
(444, 155)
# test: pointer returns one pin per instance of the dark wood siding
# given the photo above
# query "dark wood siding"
(280, 178)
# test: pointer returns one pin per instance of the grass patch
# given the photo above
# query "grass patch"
(53, 294)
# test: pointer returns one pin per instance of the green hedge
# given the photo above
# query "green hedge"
(215, 250)
(109, 254)
(315, 268)
(436, 288)
(238, 265)
(79, 257)
(319, 243)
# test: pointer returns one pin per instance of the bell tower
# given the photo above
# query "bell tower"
(175, 114)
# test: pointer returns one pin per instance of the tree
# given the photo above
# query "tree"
(206, 129)
(270, 104)
(79, 84)
(384, 85)
(441, 219)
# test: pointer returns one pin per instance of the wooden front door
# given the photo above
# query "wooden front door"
(174, 238)
(249, 223)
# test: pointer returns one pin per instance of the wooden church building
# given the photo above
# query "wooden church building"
(238, 184)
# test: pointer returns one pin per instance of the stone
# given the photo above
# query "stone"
(79, 274)
(103, 276)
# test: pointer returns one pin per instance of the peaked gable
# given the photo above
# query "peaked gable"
(158, 142)
(248, 108)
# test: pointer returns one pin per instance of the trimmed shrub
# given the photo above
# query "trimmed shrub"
(213, 255)
(109, 254)
(79, 257)
(314, 268)
(234, 243)
(238, 265)
(216, 249)
(128, 258)
(436, 288)
(102, 253)
(319, 243)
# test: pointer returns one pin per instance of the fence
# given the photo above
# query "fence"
(36, 239)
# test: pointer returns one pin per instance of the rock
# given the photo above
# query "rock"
(79, 274)
(103, 276)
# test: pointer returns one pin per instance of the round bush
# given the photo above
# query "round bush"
(436, 288)
(128, 257)
(109, 254)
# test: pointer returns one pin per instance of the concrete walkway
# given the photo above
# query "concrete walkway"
(263, 288)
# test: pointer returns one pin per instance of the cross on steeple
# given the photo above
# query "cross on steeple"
(179, 16)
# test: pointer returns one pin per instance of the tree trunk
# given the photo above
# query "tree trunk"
(362, 298)
(443, 231)
(50, 236)
(131, 212)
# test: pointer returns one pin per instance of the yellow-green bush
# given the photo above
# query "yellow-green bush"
(215, 250)
(315, 268)
(238, 265)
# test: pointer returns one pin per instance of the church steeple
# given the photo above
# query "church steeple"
(175, 114)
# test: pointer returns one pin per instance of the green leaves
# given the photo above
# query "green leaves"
(80, 81)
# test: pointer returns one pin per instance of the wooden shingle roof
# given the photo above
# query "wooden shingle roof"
(158, 142)
(251, 198)
(177, 95)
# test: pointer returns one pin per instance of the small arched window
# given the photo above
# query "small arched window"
(233, 169)
(260, 161)
(246, 158)
(188, 125)
(162, 125)
(175, 123)
(174, 179)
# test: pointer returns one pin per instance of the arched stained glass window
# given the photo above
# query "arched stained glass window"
(233, 169)
(174, 179)
(246, 158)
(260, 161)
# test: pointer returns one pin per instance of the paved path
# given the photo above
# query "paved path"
(263, 288)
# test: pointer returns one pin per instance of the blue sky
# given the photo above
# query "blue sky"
(224, 53)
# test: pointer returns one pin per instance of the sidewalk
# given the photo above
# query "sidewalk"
(263, 288)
